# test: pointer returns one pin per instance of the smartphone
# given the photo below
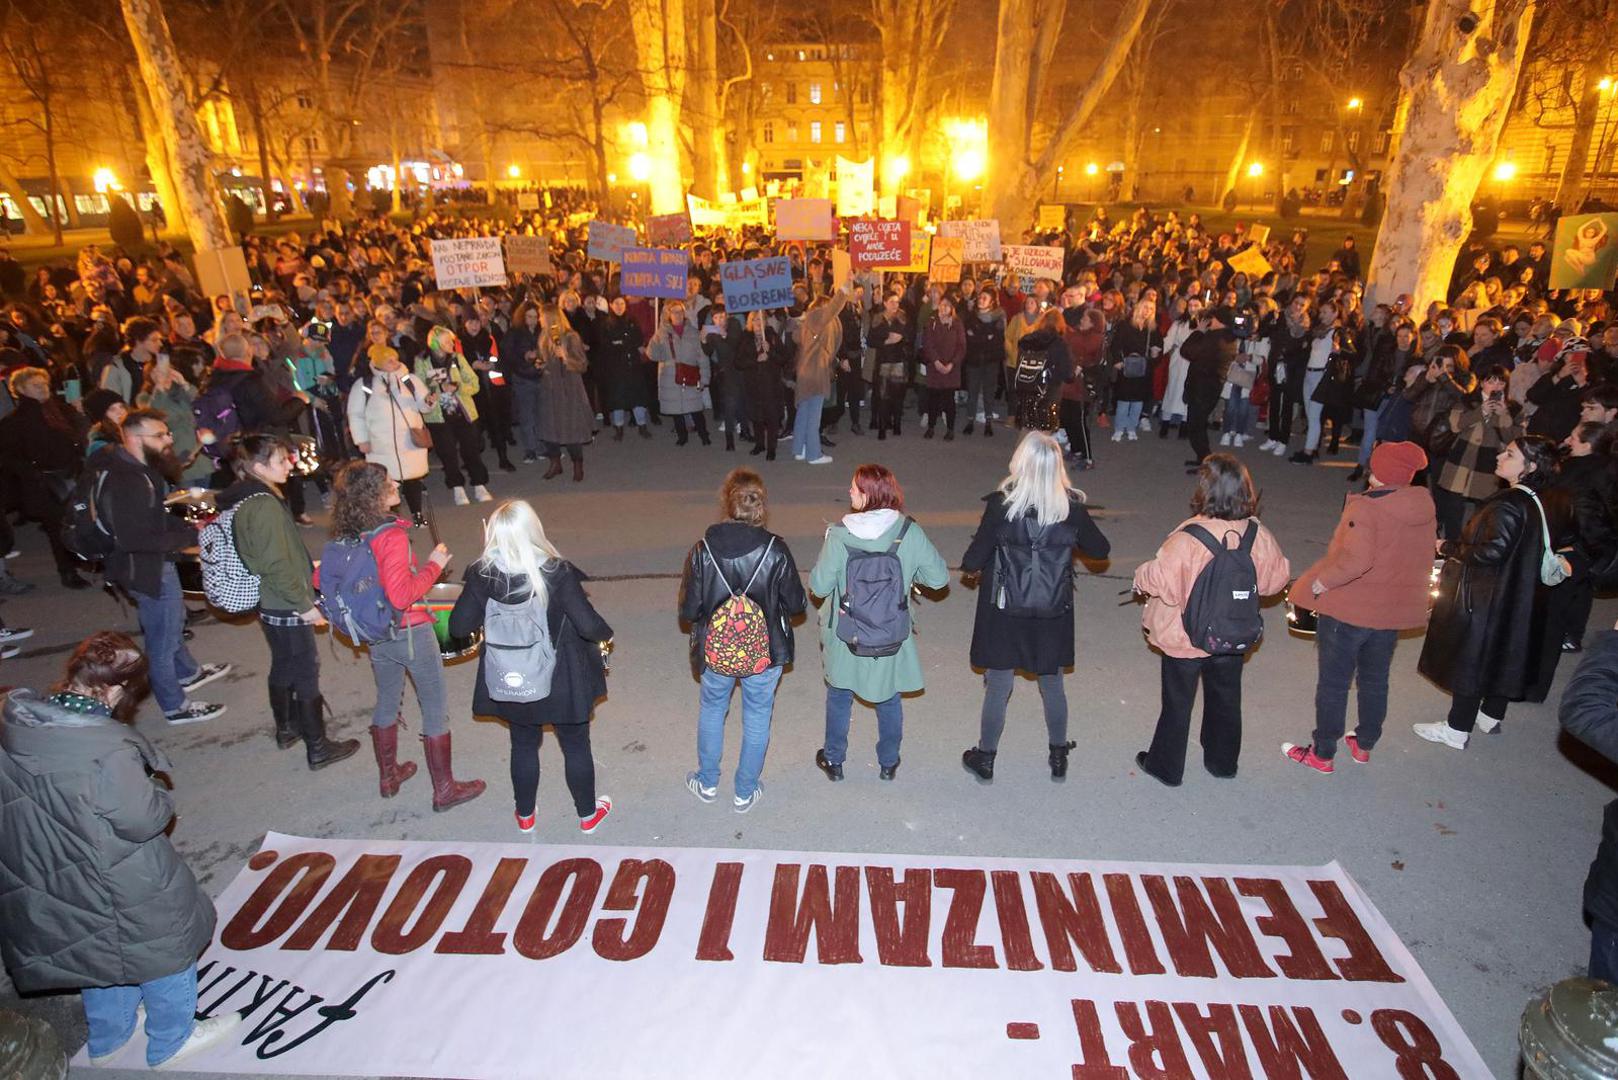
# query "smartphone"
(71, 391)
(1497, 395)
(163, 361)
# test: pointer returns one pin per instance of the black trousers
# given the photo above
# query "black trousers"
(1463, 710)
(457, 443)
(1076, 422)
(1221, 678)
(294, 660)
(888, 405)
(941, 400)
(412, 491)
(1452, 512)
(1196, 427)
(1284, 401)
(578, 765)
(848, 390)
(494, 416)
(699, 420)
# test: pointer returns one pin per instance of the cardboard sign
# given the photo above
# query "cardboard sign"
(982, 238)
(468, 262)
(1034, 262)
(856, 187)
(659, 272)
(527, 200)
(528, 255)
(772, 189)
(879, 243)
(704, 214)
(756, 284)
(887, 206)
(1250, 261)
(749, 193)
(842, 268)
(748, 212)
(921, 247)
(608, 241)
(1259, 234)
(1585, 252)
(930, 966)
(805, 219)
(1052, 217)
(947, 256)
(668, 230)
(908, 209)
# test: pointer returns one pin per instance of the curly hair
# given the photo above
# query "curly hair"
(358, 500)
(104, 660)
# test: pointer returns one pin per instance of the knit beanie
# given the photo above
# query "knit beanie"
(1395, 463)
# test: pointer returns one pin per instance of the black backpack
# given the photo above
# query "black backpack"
(1221, 616)
(873, 616)
(84, 531)
(1033, 577)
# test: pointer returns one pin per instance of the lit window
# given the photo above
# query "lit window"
(1353, 141)
(1288, 142)
(814, 93)
(769, 132)
(792, 133)
(840, 132)
(1328, 141)
(814, 131)
(305, 102)
(1380, 144)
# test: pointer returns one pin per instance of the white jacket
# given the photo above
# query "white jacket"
(381, 412)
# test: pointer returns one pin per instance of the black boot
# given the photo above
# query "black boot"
(617, 433)
(834, 772)
(1357, 475)
(286, 725)
(1058, 759)
(320, 750)
(730, 439)
(967, 430)
(979, 763)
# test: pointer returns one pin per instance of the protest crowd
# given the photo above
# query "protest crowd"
(150, 430)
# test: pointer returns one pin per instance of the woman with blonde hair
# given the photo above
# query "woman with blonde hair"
(1024, 620)
(1133, 351)
(541, 662)
(682, 371)
(565, 416)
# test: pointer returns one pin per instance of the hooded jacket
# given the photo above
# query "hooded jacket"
(91, 891)
(1377, 565)
(739, 551)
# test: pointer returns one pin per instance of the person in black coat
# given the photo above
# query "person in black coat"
(1209, 352)
(1043, 365)
(738, 557)
(1559, 393)
(617, 364)
(1486, 633)
(40, 457)
(1587, 486)
(722, 340)
(1589, 711)
(761, 359)
(515, 554)
(1033, 521)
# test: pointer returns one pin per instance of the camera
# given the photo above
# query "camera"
(1241, 325)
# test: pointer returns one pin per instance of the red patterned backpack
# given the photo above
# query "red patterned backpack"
(738, 640)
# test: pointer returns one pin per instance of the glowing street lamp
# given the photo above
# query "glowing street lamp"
(105, 180)
(514, 170)
(1091, 169)
(640, 167)
(897, 169)
(1256, 169)
(1505, 171)
(1605, 84)
(612, 178)
(969, 164)
(1355, 103)
(747, 168)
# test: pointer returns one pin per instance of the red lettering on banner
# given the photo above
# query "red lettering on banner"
(584, 877)
(1364, 963)
(836, 923)
(1217, 1039)
(1077, 920)
(1155, 1053)
(1015, 936)
(901, 944)
(309, 869)
(1283, 1050)
(355, 898)
(1097, 1060)
(1132, 930)
(714, 942)
(609, 938)
(1418, 1055)
(1189, 928)
(478, 936)
(961, 927)
(447, 874)
(1306, 961)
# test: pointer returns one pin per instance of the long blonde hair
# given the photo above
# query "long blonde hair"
(514, 543)
(1038, 481)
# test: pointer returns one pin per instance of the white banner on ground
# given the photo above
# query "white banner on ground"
(468, 261)
(366, 957)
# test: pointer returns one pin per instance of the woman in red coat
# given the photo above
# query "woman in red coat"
(943, 349)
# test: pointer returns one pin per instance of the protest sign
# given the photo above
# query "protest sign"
(842, 268)
(887, 207)
(659, 272)
(856, 186)
(945, 266)
(908, 209)
(804, 219)
(982, 238)
(772, 189)
(748, 212)
(607, 241)
(1035, 262)
(879, 243)
(1584, 254)
(527, 200)
(1052, 217)
(468, 262)
(1250, 261)
(528, 255)
(921, 246)
(1259, 234)
(756, 284)
(749, 193)
(704, 214)
(668, 230)
(965, 966)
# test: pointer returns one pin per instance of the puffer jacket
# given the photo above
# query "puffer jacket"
(776, 587)
(1376, 567)
(91, 891)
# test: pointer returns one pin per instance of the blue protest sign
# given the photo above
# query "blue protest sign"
(656, 272)
(757, 284)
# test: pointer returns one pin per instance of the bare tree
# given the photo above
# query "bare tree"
(1574, 43)
(912, 33)
(31, 37)
(1136, 79)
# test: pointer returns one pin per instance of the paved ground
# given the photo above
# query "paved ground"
(1477, 858)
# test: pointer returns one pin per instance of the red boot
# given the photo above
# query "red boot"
(447, 791)
(385, 741)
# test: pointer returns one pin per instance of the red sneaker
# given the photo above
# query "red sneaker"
(1354, 750)
(1305, 755)
(591, 823)
(525, 824)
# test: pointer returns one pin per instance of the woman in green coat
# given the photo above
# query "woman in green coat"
(877, 525)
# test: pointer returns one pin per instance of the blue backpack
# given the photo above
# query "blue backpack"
(215, 409)
(351, 594)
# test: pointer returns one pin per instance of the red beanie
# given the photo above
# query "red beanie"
(1394, 463)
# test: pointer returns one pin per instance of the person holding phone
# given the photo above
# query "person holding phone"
(1484, 423)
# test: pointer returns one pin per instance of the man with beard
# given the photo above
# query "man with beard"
(147, 540)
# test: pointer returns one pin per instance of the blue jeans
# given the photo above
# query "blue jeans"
(758, 702)
(1312, 409)
(620, 416)
(1127, 417)
(1344, 651)
(162, 623)
(806, 428)
(1238, 412)
(890, 727)
(525, 402)
(171, 1010)
(1603, 952)
(1368, 443)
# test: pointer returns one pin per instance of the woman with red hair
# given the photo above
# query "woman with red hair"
(865, 571)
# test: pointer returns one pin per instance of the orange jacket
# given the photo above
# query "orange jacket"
(1377, 566)
(1168, 578)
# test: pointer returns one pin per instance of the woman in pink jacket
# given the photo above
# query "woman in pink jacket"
(1222, 507)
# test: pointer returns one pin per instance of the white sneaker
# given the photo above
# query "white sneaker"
(194, 712)
(1133, 437)
(1239, 440)
(481, 494)
(744, 805)
(1266, 446)
(1146, 423)
(823, 459)
(1225, 439)
(797, 456)
(1117, 436)
(1486, 723)
(206, 1033)
(9, 634)
(1440, 732)
(1280, 450)
(699, 789)
(459, 495)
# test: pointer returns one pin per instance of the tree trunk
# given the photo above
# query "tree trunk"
(255, 115)
(1272, 42)
(1467, 83)
(1130, 181)
(33, 223)
(55, 201)
(702, 100)
(157, 155)
(660, 46)
(1233, 175)
(294, 196)
(911, 32)
(1574, 182)
(396, 204)
(196, 190)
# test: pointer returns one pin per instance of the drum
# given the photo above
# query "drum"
(1301, 620)
(439, 600)
(196, 507)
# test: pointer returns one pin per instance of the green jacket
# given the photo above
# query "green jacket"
(268, 541)
(461, 377)
(872, 678)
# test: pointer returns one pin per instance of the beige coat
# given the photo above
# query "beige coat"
(819, 337)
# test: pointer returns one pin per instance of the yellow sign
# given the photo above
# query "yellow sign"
(1250, 261)
(842, 268)
(921, 245)
(1052, 217)
(947, 255)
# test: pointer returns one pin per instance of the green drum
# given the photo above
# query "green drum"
(440, 599)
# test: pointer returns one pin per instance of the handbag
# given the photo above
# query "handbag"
(687, 374)
(420, 437)
(1551, 569)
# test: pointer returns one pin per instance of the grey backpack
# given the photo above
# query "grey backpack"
(873, 617)
(518, 656)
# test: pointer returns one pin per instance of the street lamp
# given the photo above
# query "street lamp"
(514, 171)
(105, 180)
(1355, 103)
(1605, 83)
(1505, 171)
(640, 167)
(969, 164)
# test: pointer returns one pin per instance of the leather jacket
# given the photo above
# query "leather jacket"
(736, 549)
